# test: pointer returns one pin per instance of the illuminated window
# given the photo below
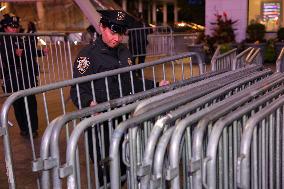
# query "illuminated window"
(266, 12)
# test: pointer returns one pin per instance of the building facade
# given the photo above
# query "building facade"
(64, 15)
(268, 12)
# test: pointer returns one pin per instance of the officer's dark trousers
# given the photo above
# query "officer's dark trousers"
(21, 114)
(19, 105)
(103, 165)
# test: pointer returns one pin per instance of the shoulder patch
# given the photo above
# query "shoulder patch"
(129, 61)
(83, 64)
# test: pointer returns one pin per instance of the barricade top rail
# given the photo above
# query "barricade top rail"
(280, 61)
(33, 34)
(155, 29)
(217, 52)
(131, 98)
(44, 88)
(226, 53)
(248, 69)
(251, 58)
(243, 55)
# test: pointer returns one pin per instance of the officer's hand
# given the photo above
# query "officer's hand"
(45, 51)
(163, 83)
(94, 103)
(19, 52)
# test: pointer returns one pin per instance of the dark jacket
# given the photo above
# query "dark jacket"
(96, 58)
(18, 72)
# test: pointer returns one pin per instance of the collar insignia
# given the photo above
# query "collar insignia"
(120, 16)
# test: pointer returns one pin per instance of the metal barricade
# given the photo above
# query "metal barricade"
(156, 163)
(222, 61)
(50, 139)
(63, 170)
(30, 60)
(72, 175)
(150, 41)
(148, 113)
(59, 88)
(220, 164)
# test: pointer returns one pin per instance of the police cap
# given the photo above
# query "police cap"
(10, 20)
(116, 20)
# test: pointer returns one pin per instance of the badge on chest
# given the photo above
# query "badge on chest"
(83, 64)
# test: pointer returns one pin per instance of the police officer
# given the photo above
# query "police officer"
(19, 71)
(106, 53)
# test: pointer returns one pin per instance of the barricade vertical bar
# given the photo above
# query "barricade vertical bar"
(255, 161)
(154, 76)
(271, 152)
(9, 63)
(2, 74)
(21, 66)
(278, 149)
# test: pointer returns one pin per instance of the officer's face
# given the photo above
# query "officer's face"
(10, 29)
(110, 38)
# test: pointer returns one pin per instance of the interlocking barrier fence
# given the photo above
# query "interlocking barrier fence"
(154, 108)
(173, 68)
(64, 171)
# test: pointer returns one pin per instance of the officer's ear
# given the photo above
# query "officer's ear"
(102, 27)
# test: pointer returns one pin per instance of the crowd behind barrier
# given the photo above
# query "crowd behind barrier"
(203, 130)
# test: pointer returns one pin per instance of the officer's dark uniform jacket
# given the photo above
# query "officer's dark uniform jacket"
(18, 70)
(98, 57)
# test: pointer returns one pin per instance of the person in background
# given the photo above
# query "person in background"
(89, 36)
(137, 42)
(19, 71)
(31, 27)
(105, 54)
